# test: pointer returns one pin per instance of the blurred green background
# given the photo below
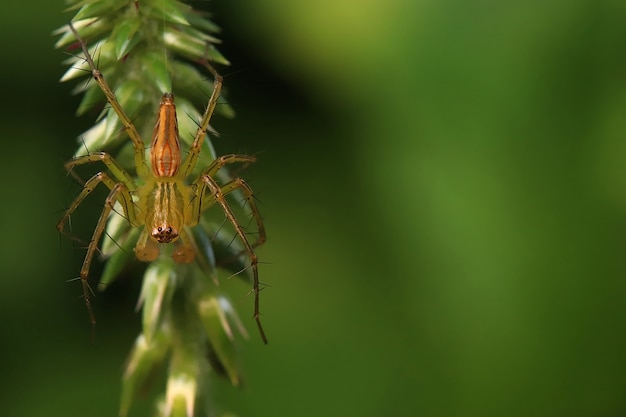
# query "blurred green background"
(444, 192)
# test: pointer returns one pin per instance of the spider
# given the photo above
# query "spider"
(165, 203)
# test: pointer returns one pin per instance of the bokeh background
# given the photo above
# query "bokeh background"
(444, 188)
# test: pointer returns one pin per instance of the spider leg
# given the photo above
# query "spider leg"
(238, 184)
(119, 192)
(221, 161)
(125, 199)
(207, 200)
(140, 157)
(192, 157)
(185, 251)
(145, 249)
(116, 170)
(218, 194)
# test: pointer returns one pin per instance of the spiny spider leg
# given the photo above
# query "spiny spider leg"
(239, 184)
(140, 158)
(206, 179)
(192, 157)
(118, 172)
(119, 192)
(208, 201)
(219, 197)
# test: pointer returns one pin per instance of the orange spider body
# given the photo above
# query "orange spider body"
(167, 203)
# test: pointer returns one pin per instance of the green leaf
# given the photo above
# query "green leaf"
(114, 131)
(89, 29)
(99, 8)
(181, 395)
(205, 257)
(123, 36)
(120, 258)
(191, 83)
(91, 139)
(92, 98)
(216, 56)
(132, 96)
(197, 20)
(115, 233)
(220, 334)
(143, 362)
(229, 253)
(188, 115)
(154, 62)
(156, 292)
(184, 44)
(169, 10)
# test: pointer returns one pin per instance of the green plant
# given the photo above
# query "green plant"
(146, 49)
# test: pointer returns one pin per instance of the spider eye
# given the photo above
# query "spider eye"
(164, 234)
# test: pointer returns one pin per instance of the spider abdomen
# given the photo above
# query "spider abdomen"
(165, 150)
